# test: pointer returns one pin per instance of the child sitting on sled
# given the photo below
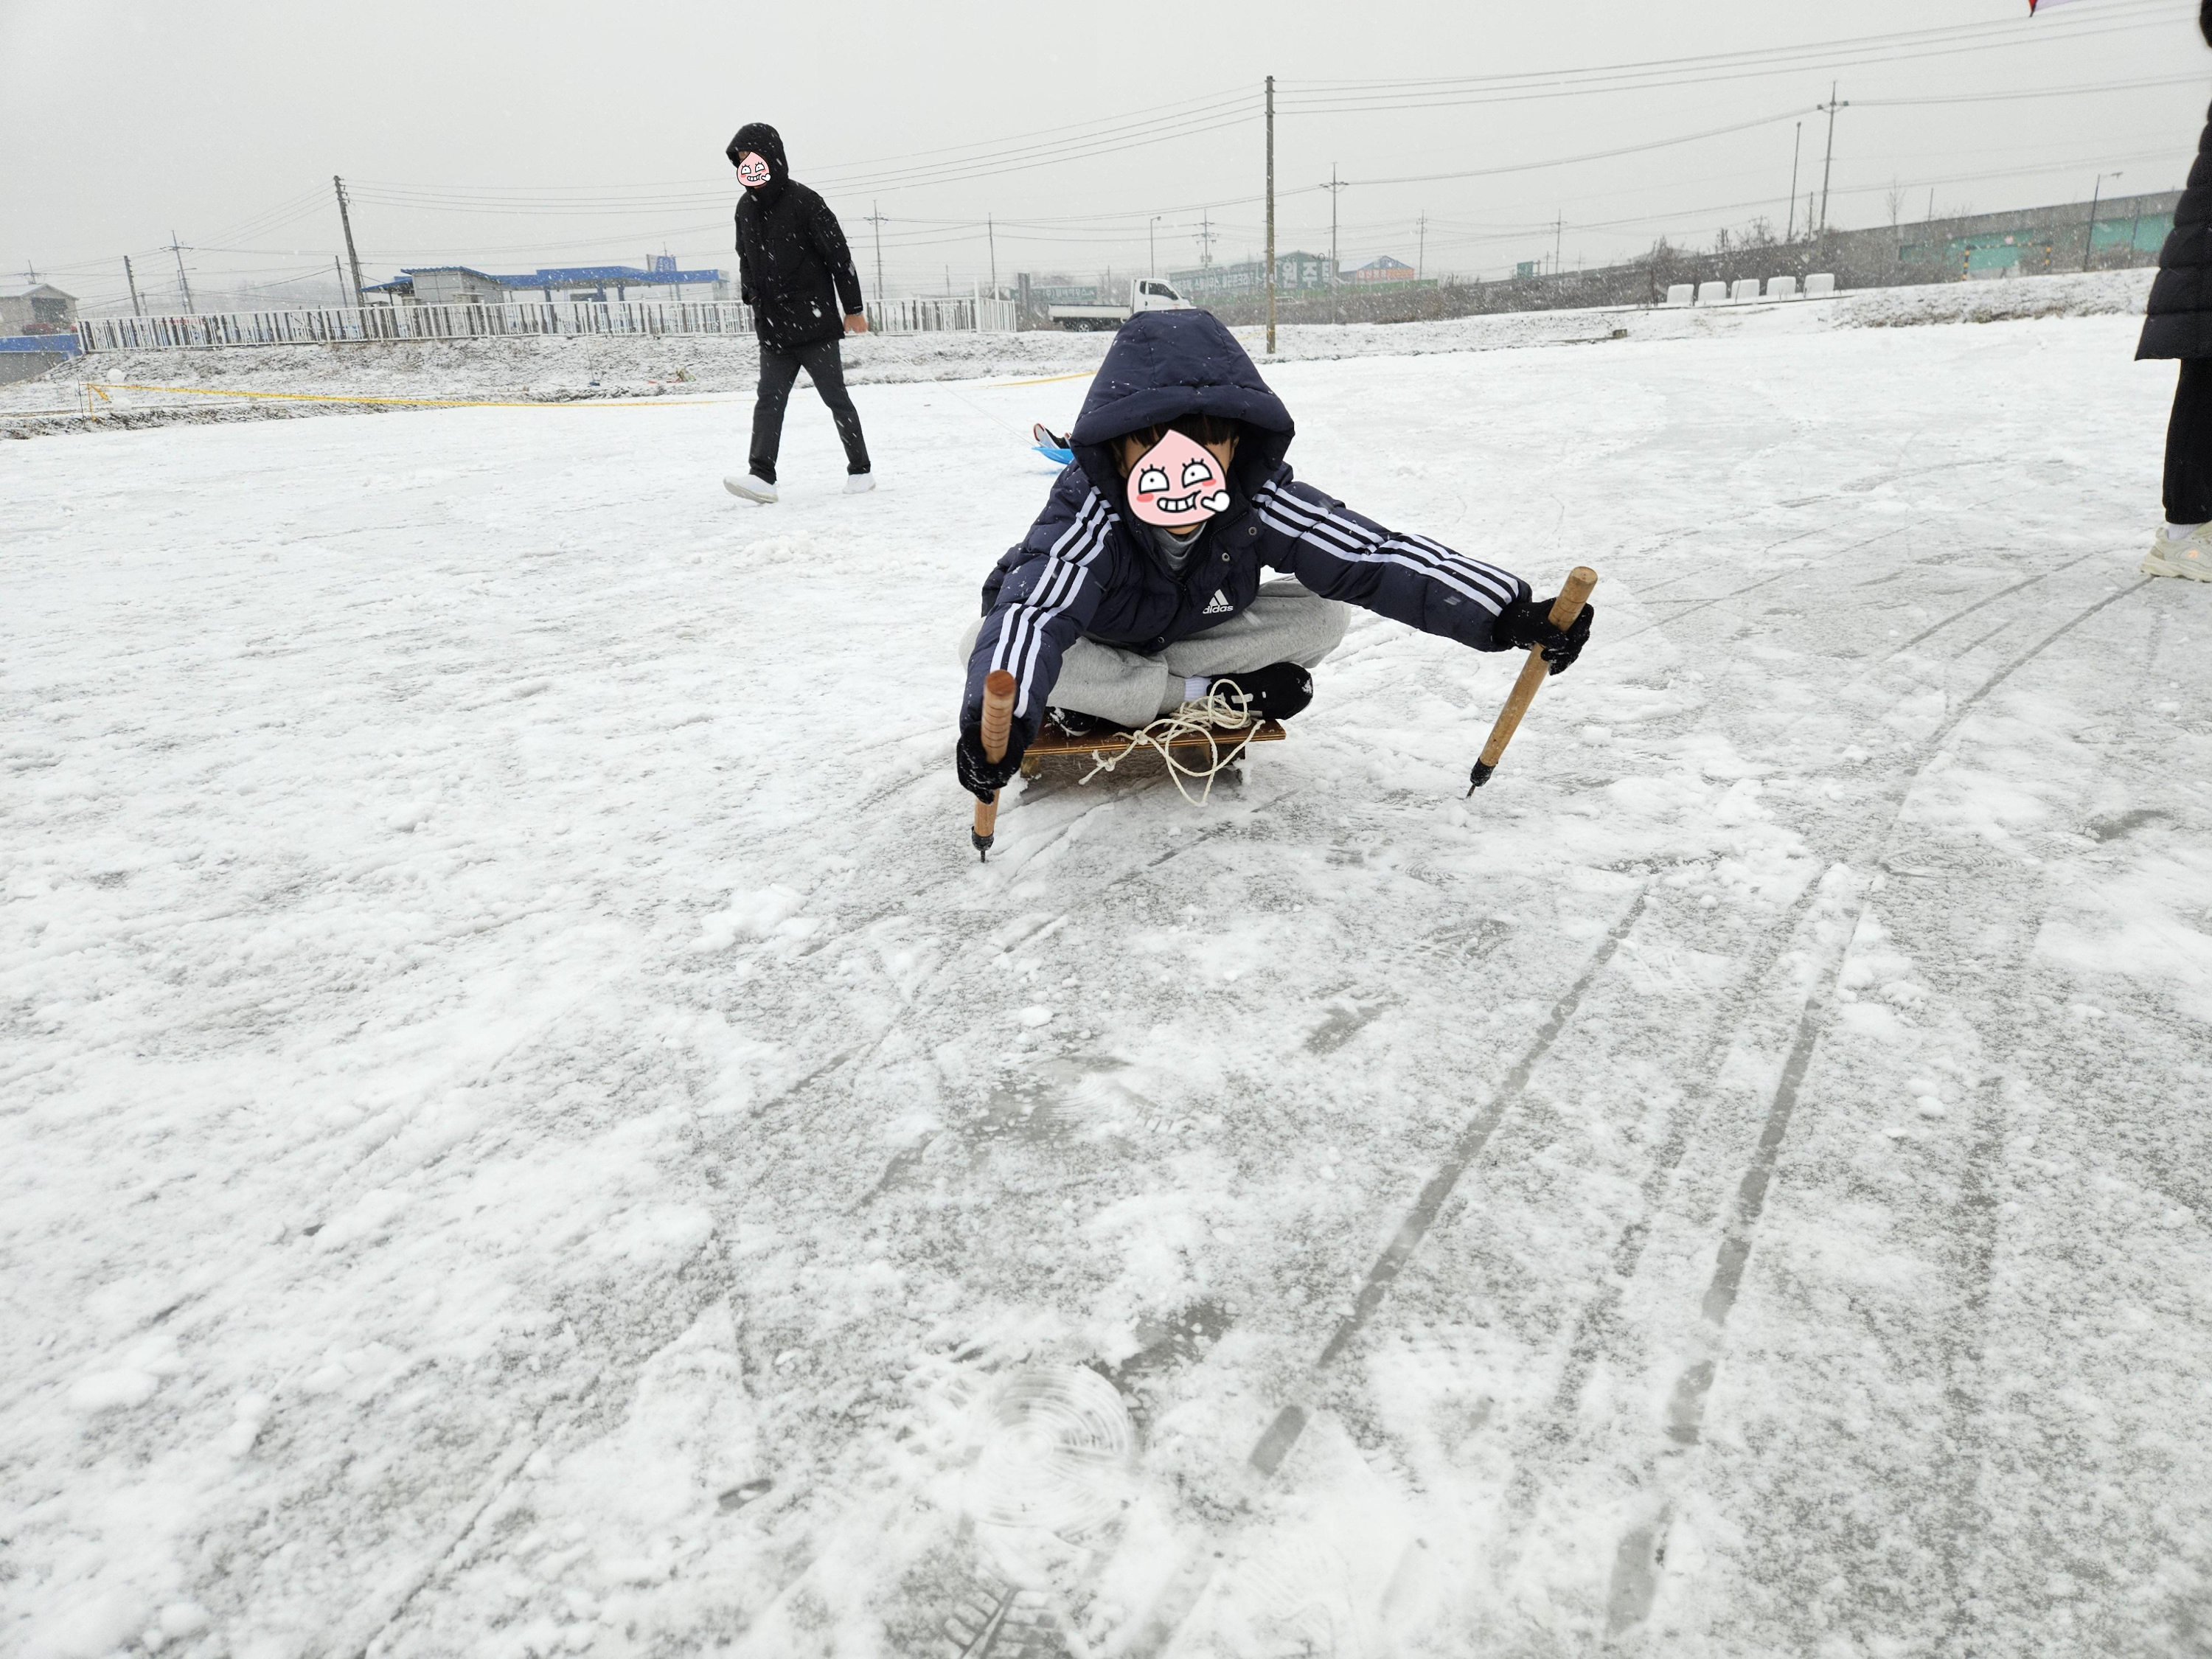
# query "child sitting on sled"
(1139, 587)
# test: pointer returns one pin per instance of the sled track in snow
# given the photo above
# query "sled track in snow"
(1636, 1570)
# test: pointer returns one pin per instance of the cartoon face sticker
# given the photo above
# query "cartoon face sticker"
(752, 172)
(1177, 484)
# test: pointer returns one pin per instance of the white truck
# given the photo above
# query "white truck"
(1146, 294)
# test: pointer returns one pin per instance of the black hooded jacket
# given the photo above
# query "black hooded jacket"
(1086, 569)
(2180, 319)
(794, 268)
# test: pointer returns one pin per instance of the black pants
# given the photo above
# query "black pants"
(2189, 445)
(778, 369)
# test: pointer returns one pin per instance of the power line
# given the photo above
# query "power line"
(2118, 17)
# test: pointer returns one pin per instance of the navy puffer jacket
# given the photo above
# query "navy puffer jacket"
(1084, 569)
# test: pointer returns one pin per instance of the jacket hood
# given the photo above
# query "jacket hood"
(765, 142)
(1163, 364)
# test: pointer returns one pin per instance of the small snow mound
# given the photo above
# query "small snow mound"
(107, 1391)
(758, 914)
(98, 1624)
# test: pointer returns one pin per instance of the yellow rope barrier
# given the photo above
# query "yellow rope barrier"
(1000, 385)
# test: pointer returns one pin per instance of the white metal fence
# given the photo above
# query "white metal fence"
(412, 322)
(942, 316)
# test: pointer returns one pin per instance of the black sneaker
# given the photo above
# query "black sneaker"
(1274, 693)
(1077, 724)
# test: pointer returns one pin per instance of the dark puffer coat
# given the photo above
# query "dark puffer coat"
(2179, 322)
(794, 268)
(1084, 570)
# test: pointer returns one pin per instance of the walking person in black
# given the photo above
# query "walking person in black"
(795, 271)
(2180, 325)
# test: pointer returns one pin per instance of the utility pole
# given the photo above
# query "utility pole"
(1421, 246)
(876, 218)
(345, 219)
(1206, 237)
(1791, 234)
(183, 281)
(1335, 278)
(1271, 215)
(1831, 107)
(338, 271)
(1558, 237)
(1152, 244)
(136, 310)
(2089, 237)
(991, 232)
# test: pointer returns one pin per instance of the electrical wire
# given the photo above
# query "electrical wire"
(2120, 15)
(1202, 114)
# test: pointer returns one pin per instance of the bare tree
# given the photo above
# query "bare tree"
(1894, 198)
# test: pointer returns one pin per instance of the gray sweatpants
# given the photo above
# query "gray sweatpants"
(1285, 623)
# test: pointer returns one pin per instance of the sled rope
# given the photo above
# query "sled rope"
(1211, 713)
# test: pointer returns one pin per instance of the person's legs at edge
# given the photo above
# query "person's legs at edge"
(2183, 546)
(778, 369)
(2189, 445)
(825, 367)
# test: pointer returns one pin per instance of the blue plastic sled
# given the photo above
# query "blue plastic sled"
(1050, 445)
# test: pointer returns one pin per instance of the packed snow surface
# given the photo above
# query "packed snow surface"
(528, 1130)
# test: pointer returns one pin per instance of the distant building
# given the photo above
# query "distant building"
(41, 310)
(2129, 230)
(1296, 272)
(465, 285)
(446, 285)
(1383, 270)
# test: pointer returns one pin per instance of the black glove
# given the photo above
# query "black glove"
(983, 778)
(1529, 621)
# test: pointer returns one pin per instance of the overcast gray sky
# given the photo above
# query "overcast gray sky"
(552, 134)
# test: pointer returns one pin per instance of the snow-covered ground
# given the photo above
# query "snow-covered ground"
(223, 384)
(528, 1130)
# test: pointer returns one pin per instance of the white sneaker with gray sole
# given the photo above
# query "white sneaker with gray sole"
(2189, 556)
(859, 484)
(752, 489)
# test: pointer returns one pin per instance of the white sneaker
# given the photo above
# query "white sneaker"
(859, 484)
(752, 489)
(2189, 555)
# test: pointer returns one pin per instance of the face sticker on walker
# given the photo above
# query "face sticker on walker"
(1177, 484)
(752, 172)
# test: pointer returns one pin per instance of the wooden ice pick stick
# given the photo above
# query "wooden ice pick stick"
(1565, 610)
(998, 722)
